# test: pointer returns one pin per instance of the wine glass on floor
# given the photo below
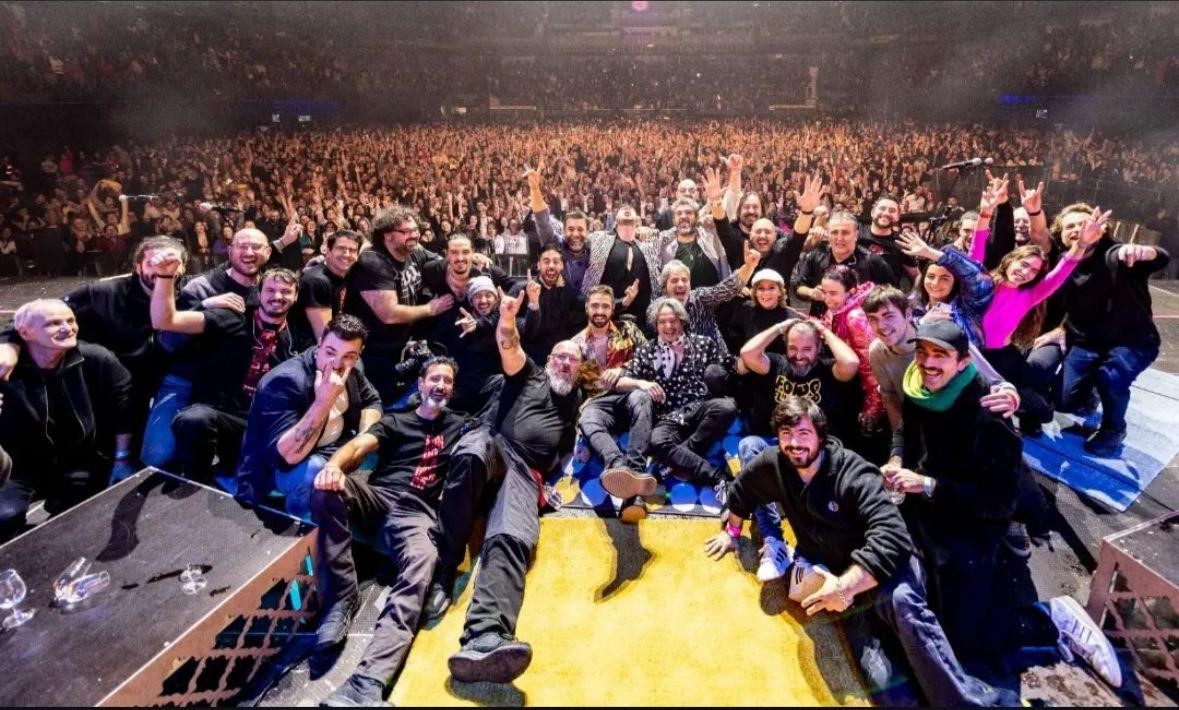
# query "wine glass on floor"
(12, 593)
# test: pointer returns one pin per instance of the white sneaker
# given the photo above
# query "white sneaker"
(775, 560)
(1080, 635)
(805, 579)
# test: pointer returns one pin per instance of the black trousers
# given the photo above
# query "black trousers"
(611, 414)
(682, 438)
(972, 597)
(408, 533)
(485, 464)
(202, 433)
(61, 489)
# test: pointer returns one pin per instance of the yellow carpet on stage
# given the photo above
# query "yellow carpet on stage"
(622, 615)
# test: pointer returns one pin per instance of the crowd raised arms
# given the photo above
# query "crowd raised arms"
(906, 383)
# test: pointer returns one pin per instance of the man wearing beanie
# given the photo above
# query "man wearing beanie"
(467, 333)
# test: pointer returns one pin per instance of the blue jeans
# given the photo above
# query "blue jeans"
(1111, 373)
(768, 520)
(296, 484)
(900, 606)
(159, 443)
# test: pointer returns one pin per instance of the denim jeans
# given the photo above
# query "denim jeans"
(768, 520)
(900, 605)
(159, 443)
(1111, 373)
(613, 413)
(296, 484)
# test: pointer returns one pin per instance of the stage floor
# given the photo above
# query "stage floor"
(1063, 565)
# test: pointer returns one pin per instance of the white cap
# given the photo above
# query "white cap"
(768, 275)
(478, 285)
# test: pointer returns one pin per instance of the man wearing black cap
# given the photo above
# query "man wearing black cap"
(960, 470)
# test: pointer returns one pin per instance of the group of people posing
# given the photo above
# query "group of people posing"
(400, 393)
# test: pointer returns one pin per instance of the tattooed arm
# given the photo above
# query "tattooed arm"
(297, 442)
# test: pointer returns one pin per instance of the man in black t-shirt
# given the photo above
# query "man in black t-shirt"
(880, 238)
(238, 349)
(773, 379)
(322, 289)
(842, 248)
(525, 434)
(383, 291)
(400, 501)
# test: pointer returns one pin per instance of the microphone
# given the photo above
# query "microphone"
(972, 163)
(213, 207)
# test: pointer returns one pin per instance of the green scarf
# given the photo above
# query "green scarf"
(941, 400)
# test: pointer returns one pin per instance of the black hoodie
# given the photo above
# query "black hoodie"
(841, 517)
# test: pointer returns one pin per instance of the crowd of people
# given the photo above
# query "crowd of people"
(245, 50)
(63, 215)
(405, 331)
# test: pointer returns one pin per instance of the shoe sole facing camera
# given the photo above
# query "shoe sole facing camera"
(499, 665)
(1111, 674)
(621, 483)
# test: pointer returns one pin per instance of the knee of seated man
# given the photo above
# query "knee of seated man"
(192, 418)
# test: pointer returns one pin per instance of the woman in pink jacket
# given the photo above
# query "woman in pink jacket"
(843, 295)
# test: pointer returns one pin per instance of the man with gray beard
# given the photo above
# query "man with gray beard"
(526, 432)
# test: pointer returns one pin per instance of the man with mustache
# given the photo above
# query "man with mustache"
(609, 346)
(115, 313)
(301, 412)
(64, 416)
(853, 547)
(236, 350)
(527, 430)
(959, 469)
(400, 500)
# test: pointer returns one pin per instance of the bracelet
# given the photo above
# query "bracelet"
(122, 455)
(808, 214)
(927, 486)
(839, 593)
(1036, 213)
(984, 216)
(734, 531)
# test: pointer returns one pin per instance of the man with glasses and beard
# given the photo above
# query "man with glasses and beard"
(323, 289)
(219, 288)
(527, 430)
(399, 499)
(383, 291)
(235, 351)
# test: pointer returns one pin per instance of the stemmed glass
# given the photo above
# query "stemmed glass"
(12, 593)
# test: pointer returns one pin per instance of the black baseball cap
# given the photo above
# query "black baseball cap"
(945, 333)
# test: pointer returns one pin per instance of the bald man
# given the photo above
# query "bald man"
(522, 440)
(64, 418)
(686, 189)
